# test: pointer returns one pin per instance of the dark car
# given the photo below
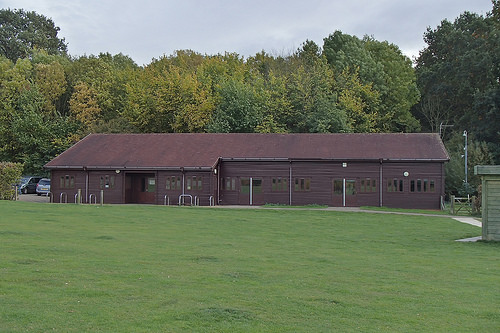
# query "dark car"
(28, 184)
(43, 186)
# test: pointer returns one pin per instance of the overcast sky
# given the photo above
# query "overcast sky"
(148, 29)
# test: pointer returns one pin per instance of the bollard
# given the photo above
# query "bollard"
(102, 197)
(79, 197)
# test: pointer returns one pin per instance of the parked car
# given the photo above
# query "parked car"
(28, 184)
(43, 186)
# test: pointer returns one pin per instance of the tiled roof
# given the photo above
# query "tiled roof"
(203, 149)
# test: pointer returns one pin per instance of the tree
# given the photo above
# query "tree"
(460, 69)
(166, 98)
(22, 32)
(478, 154)
(383, 67)
(357, 99)
(239, 110)
(51, 80)
(84, 106)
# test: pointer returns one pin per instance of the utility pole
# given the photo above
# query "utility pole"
(465, 149)
(441, 131)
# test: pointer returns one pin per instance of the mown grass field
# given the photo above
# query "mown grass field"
(68, 268)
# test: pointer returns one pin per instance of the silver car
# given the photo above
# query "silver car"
(43, 186)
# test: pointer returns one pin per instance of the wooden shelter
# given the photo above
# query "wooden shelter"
(490, 175)
(394, 170)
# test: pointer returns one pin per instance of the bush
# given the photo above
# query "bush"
(10, 175)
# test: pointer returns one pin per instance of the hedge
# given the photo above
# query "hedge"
(10, 175)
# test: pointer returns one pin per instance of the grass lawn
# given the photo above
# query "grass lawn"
(68, 268)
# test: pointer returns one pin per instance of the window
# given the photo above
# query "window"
(338, 187)
(173, 183)
(302, 184)
(279, 185)
(350, 187)
(67, 181)
(423, 185)
(228, 183)
(395, 185)
(257, 185)
(151, 186)
(368, 185)
(245, 185)
(107, 181)
(194, 183)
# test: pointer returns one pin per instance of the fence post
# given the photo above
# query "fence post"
(452, 204)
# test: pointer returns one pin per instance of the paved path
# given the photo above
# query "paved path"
(463, 219)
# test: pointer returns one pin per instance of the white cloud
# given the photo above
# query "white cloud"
(150, 28)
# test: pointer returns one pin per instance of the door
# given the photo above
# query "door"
(140, 188)
(251, 191)
(344, 192)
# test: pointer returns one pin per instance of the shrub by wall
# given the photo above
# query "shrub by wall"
(10, 174)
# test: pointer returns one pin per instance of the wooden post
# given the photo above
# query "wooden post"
(102, 197)
(452, 204)
(79, 197)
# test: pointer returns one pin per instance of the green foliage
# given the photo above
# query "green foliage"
(477, 154)
(10, 174)
(239, 109)
(389, 74)
(23, 32)
(48, 100)
(458, 77)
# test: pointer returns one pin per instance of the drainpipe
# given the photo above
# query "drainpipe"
(86, 185)
(381, 201)
(251, 191)
(290, 183)
(217, 186)
(183, 180)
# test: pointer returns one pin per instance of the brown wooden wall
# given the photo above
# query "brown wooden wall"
(90, 185)
(203, 195)
(322, 175)
(391, 184)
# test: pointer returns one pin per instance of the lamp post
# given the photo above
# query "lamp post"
(465, 149)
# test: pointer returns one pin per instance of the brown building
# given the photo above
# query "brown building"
(393, 170)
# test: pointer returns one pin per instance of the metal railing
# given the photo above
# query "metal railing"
(92, 195)
(182, 196)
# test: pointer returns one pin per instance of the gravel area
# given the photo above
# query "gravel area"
(33, 198)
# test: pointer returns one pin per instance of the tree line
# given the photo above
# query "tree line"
(49, 99)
